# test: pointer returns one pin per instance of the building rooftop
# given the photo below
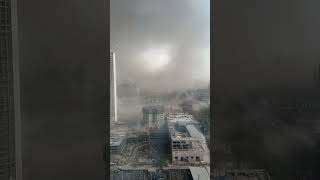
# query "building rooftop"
(194, 132)
(181, 119)
(200, 173)
(117, 134)
(186, 137)
(153, 108)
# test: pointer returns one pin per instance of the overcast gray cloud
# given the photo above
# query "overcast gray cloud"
(177, 32)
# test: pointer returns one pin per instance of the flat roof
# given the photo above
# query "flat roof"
(117, 135)
(199, 173)
(194, 132)
(116, 141)
(208, 170)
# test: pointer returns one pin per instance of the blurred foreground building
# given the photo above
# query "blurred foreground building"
(10, 125)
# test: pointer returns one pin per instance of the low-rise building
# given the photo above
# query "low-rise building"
(188, 145)
(117, 139)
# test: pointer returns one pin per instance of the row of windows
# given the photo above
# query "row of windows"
(187, 158)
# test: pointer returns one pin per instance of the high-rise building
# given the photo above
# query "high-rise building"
(113, 88)
(10, 139)
(153, 116)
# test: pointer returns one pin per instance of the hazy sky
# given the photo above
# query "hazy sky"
(161, 44)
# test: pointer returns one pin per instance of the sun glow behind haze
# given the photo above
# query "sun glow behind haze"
(155, 59)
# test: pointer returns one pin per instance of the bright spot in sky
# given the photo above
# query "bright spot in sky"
(155, 59)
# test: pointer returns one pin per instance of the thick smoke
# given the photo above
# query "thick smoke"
(182, 27)
(279, 139)
(267, 45)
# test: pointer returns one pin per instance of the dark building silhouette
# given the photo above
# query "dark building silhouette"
(317, 76)
(10, 156)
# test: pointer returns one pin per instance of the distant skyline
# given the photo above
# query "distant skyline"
(162, 45)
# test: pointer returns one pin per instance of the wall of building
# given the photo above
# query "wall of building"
(10, 125)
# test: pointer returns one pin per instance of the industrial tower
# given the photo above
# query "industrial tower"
(113, 88)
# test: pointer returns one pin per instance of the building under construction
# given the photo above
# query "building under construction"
(188, 145)
(157, 130)
(117, 139)
(153, 116)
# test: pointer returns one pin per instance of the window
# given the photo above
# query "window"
(198, 158)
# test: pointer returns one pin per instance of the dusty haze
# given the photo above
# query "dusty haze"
(181, 28)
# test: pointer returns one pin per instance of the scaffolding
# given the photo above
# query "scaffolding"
(188, 145)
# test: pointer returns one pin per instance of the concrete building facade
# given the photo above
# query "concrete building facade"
(118, 139)
(188, 145)
(153, 116)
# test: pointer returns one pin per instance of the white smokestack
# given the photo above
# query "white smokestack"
(113, 86)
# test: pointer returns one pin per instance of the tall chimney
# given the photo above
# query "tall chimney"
(113, 86)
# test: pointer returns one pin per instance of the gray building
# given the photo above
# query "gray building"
(188, 145)
(153, 116)
(10, 125)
